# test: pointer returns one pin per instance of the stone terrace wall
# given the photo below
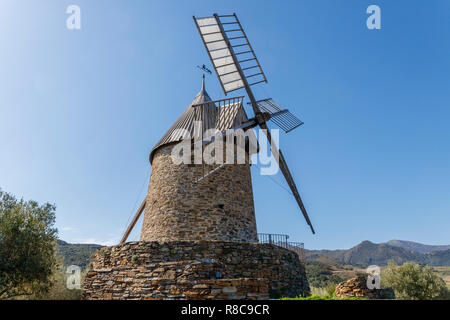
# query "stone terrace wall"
(357, 287)
(194, 270)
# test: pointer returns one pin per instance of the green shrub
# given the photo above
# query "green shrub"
(412, 281)
(331, 290)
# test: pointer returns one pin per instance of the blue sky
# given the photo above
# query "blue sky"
(81, 109)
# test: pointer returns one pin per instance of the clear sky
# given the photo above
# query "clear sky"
(80, 111)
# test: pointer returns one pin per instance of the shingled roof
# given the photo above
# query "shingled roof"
(204, 110)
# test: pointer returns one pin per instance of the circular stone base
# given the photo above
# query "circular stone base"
(195, 270)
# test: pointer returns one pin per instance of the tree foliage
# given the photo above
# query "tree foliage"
(78, 254)
(412, 281)
(27, 247)
(321, 276)
(59, 290)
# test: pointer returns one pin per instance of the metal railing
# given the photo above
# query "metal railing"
(282, 241)
(278, 239)
(299, 248)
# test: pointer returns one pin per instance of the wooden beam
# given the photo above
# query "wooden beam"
(133, 222)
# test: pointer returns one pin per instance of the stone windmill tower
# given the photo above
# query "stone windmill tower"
(199, 238)
(220, 206)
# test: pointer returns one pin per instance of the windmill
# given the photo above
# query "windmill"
(169, 216)
(237, 67)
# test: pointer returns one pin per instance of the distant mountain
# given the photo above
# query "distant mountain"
(367, 253)
(417, 247)
(77, 254)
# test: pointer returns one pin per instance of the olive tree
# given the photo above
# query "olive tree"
(27, 247)
(412, 281)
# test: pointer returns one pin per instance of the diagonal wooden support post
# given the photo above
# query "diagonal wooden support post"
(133, 222)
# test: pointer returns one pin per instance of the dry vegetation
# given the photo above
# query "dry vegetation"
(444, 273)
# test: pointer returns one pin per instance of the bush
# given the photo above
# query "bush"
(331, 290)
(27, 247)
(412, 281)
(58, 289)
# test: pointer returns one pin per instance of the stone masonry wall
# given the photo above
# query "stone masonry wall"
(220, 207)
(357, 287)
(194, 270)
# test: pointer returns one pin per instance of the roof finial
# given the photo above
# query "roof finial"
(203, 83)
(204, 69)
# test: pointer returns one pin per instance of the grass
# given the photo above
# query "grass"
(319, 293)
(444, 273)
(317, 297)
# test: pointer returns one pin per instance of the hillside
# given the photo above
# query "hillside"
(314, 258)
(438, 258)
(367, 253)
(363, 254)
(417, 247)
(77, 254)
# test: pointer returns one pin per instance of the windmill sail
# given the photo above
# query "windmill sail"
(287, 175)
(281, 117)
(230, 52)
(237, 67)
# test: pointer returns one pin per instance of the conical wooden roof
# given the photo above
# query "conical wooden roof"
(207, 114)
